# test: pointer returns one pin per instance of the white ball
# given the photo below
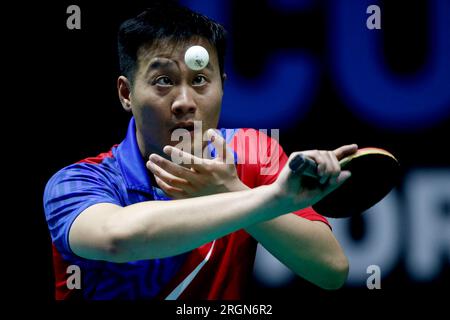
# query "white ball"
(196, 57)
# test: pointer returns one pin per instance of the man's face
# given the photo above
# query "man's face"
(167, 95)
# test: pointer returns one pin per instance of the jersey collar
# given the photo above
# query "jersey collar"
(131, 162)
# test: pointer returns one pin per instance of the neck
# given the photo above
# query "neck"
(146, 149)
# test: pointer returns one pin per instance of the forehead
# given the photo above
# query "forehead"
(173, 50)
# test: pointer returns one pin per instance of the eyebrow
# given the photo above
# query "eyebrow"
(158, 63)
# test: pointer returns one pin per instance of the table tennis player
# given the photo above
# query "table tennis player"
(141, 225)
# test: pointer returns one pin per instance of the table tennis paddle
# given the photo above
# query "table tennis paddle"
(374, 173)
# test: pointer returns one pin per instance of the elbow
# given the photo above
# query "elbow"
(107, 247)
(112, 250)
(115, 251)
(118, 248)
(337, 274)
(132, 242)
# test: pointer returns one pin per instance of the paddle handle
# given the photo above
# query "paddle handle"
(304, 166)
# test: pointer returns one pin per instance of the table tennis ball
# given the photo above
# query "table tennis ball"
(196, 57)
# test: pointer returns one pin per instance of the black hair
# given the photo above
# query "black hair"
(166, 20)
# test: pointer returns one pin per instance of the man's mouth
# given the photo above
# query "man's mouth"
(189, 126)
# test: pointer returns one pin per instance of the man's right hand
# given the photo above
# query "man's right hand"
(290, 188)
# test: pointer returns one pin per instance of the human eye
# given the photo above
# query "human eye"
(164, 81)
(199, 80)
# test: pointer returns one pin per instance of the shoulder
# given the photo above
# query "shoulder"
(102, 169)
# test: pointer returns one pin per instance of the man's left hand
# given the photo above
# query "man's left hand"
(196, 176)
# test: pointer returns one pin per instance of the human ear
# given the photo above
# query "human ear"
(124, 92)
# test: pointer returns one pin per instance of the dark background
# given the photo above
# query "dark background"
(67, 109)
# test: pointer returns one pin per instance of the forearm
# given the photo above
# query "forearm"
(157, 229)
(307, 247)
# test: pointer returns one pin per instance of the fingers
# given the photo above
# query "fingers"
(334, 168)
(171, 191)
(223, 152)
(162, 168)
(344, 175)
(181, 157)
(345, 151)
(328, 168)
(171, 167)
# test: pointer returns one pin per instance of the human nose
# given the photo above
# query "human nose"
(184, 102)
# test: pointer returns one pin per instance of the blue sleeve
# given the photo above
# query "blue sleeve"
(72, 190)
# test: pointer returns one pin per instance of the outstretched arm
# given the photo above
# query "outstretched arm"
(157, 229)
(307, 247)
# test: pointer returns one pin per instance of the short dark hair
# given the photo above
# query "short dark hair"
(169, 21)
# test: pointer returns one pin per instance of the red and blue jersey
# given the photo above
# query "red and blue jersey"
(215, 271)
